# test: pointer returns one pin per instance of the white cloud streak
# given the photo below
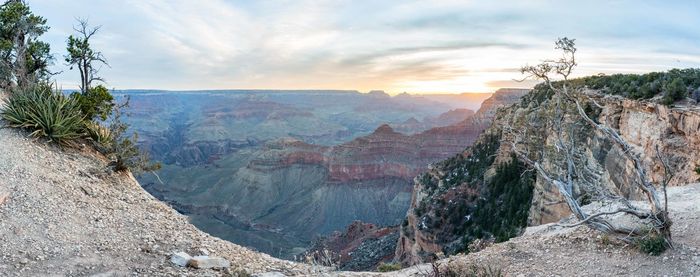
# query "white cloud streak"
(415, 46)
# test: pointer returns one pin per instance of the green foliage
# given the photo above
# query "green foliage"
(388, 267)
(652, 244)
(674, 84)
(674, 91)
(98, 133)
(484, 271)
(504, 209)
(478, 207)
(471, 168)
(96, 103)
(83, 56)
(46, 113)
(24, 60)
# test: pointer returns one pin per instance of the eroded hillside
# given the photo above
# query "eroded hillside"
(485, 191)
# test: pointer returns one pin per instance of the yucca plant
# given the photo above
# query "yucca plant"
(98, 133)
(46, 113)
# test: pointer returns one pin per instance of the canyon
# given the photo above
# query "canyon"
(275, 190)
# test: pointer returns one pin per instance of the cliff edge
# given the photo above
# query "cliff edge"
(63, 213)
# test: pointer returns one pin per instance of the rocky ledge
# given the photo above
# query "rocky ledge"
(63, 213)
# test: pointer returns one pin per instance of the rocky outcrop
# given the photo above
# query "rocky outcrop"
(360, 247)
(644, 124)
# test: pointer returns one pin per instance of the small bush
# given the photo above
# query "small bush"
(484, 271)
(96, 103)
(471, 270)
(674, 91)
(652, 244)
(46, 112)
(99, 134)
(388, 267)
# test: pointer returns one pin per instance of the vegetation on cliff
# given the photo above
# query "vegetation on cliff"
(571, 98)
(671, 86)
(487, 194)
(464, 203)
(91, 114)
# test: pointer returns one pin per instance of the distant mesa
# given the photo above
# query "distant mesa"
(378, 93)
(384, 129)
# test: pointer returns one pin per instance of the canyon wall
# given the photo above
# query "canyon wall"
(287, 191)
(448, 202)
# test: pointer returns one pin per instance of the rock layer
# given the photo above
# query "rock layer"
(644, 124)
(300, 190)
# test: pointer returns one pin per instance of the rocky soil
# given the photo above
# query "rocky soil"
(63, 213)
(549, 250)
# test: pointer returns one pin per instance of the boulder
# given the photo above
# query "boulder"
(180, 259)
(270, 274)
(208, 262)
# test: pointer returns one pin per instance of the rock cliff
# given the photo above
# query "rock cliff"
(469, 187)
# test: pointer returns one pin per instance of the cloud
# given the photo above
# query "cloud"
(417, 46)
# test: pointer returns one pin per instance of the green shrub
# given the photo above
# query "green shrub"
(674, 91)
(652, 244)
(388, 267)
(484, 271)
(471, 270)
(96, 103)
(46, 113)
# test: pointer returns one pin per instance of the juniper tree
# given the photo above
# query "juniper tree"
(655, 217)
(24, 59)
(95, 102)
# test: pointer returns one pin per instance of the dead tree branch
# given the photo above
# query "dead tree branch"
(564, 94)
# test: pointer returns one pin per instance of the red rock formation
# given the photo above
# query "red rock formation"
(387, 153)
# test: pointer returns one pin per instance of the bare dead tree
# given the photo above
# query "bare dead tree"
(565, 95)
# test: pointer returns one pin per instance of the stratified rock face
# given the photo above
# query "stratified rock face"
(645, 125)
(366, 179)
(291, 190)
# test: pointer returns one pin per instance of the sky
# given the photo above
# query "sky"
(396, 46)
